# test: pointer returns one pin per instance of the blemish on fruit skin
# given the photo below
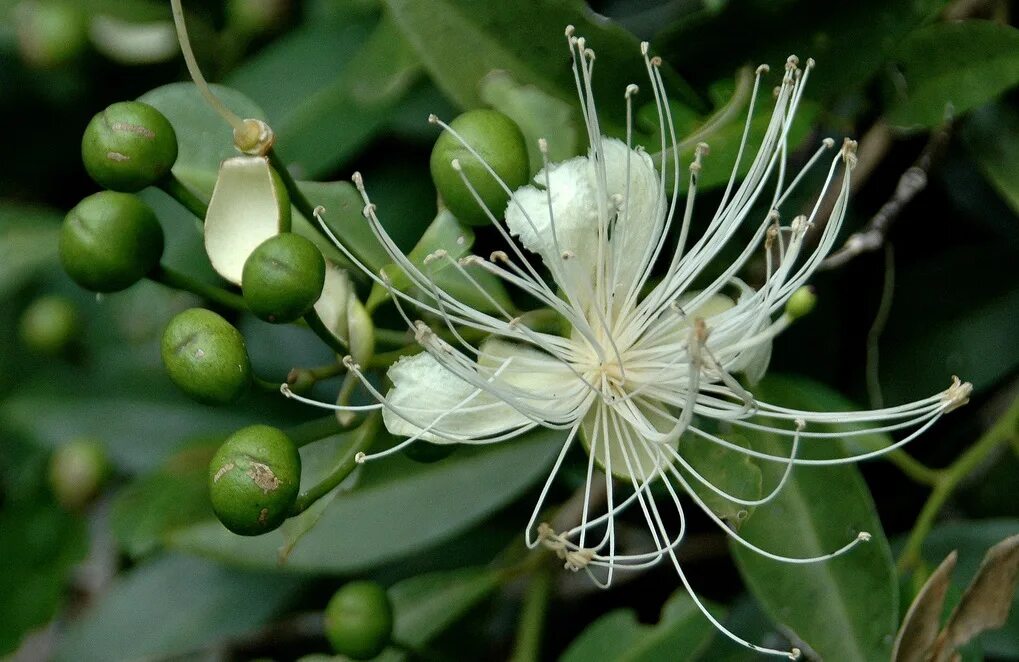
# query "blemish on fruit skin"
(263, 476)
(263, 516)
(222, 470)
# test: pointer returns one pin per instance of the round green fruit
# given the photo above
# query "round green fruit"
(500, 143)
(283, 278)
(50, 325)
(205, 356)
(359, 620)
(109, 241)
(128, 146)
(77, 471)
(254, 479)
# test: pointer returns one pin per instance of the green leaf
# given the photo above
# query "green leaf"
(732, 472)
(39, 546)
(172, 606)
(845, 608)
(176, 495)
(426, 605)
(618, 636)
(28, 242)
(447, 234)
(460, 42)
(204, 139)
(954, 66)
(992, 136)
(396, 509)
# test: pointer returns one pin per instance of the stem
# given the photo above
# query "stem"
(531, 626)
(177, 280)
(182, 194)
(395, 337)
(913, 468)
(313, 430)
(316, 324)
(363, 440)
(1004, 430)
(296, 195)
(302, 379)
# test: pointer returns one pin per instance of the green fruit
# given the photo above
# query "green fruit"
(77, 470)
(109, 241)
(283, 278)
(50, 325)
(427, 452)
(128, 146)
(205, 357)
(359, 620)
(499, 141)
(254, 479)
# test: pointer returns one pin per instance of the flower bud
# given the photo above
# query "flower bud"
(50, 325)
(109, 241)
(254, 479)
(426, 452)
(500, 143)
(77, 471)
(205, 357)
(128, 146)
(359, 620)
(801, 302)
(283, 278)
(50, 33)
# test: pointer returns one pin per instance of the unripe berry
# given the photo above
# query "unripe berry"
(254, 479)
(499, 141)
(109, 241)
(50, 325)
(283, 278)
(359, 620)
(206, 357)
(426, 452)
(801, 302)
(77, 470)
(128, 146)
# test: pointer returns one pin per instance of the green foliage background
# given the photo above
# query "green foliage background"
(147, 572)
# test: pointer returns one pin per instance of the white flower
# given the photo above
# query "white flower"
(647, 361)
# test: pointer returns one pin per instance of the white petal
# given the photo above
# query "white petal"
(248, 205)
(625, 453)
(332, 303)
(548, 382)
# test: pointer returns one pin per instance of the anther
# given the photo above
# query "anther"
(542, 145)
(957, 394)
(791, 62)
(368, 210)
(656, 61)
(285, 389)
(863, 536)
(581, 42)
(318, 211)
(455, 164)
(644, 47)
(795, 654)
(461, 240)
(631, 90)
(433, 118)
(567, 255)
(360, 457)
(499, 256)
(570, 30)
(358, 180)
(811, 63)
(828, 143)
(590, 54)
(348, 362)
(849, 152)
(762, 69)
(435, 255)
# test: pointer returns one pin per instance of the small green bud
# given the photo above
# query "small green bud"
(128, 146)
(50, 33)
(283, 278)
(109, 241)
(50, 325)
(500, 143)
(77, 471)
(359, 620)
(801, 302)
(426, 452)
(254, 479)
(205, 357)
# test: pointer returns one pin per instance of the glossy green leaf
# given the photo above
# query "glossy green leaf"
(175, 495)
(460, 42)
(397, 508)
(949, 68)
(426, 605)
(172, 606)
(845, 608)
(992, 136)
(204, 139)
(39, 546)
(734, 473)
(449, 235)
(682, 630)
